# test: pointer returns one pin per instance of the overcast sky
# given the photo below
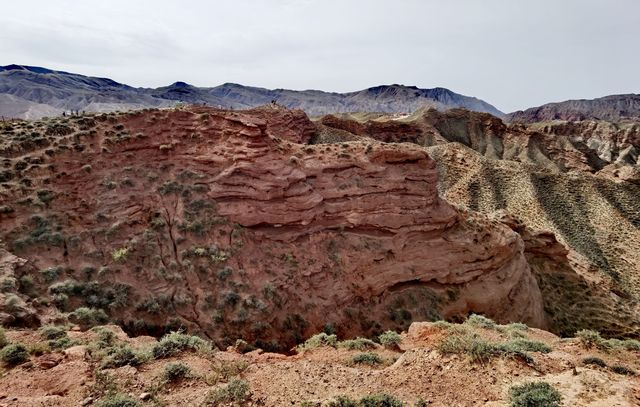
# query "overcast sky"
(511, 53)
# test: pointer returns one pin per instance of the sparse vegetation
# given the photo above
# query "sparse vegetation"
(121, 356)
(120, 255)
(88, 317)
(3, 338)
(14, 354)
(374, 400)
(237, 390)
(367, 358)
(534, 394)
(357, 344)
(176, 342)
(592, 360)
(623, 370)
(321, 339)
(390, 339)
(118, 400)
(174, 372)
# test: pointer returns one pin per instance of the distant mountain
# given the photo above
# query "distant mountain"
(610, 108)
(40, 91)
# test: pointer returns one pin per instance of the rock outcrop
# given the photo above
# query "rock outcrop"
(228, 224)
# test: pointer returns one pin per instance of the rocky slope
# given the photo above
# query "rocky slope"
(42, 92)
(228, 224)
(430, 365)
(576, 180)
(587, 146)
(611, 108)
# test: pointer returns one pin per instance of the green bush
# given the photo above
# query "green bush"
(367, 358)
(88, 317)
(534, 394)
(623, 370)
(14, 354)
(481, 321)
(342, 401)
(176, 342)
(121, 356)
(590, 338)
(174, 372)
(321, 339)
(631, 344)
(106, 337)
(237, 390)
(51, 332)
(480, 350)
(243, 346)
(592, 360)
(118, 400)
(376, 400)
(380, 400)
(3, 338)
(526, 345)
(357, 344)
(390, 339)
(39, 348)
(517, 326)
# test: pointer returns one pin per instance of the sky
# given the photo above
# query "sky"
(513, 54)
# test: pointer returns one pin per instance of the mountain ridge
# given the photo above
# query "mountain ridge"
(68, 91)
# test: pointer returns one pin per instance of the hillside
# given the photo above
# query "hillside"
(576, 180)
(432, 364)
(611, 108)
(65, 91)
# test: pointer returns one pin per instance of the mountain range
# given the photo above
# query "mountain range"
(32, 92)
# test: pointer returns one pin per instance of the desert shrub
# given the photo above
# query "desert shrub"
(342, 401)
(14, 354)
(518, 326)
(118, 400)
(534, 394)
(237, 390)
(176, 342)
(174, 372)
(590, 338)
(380, 400)
(39, 348)
(243, 346)
(623, 370)
(481, 321)
(105, 338)
(631, 344)
(118, 356)
(62, 343)
(88, 317)
(321, 339)
(51, 332)
(390, 339)
(120, 255)
(592, 360)
(367, 358)
(3, 338)
(526, 345)
(357, 344)
(480, 350)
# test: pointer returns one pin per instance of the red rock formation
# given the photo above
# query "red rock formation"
(223, 222)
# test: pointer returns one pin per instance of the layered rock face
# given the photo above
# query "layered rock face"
(588, 146)
(226, 223)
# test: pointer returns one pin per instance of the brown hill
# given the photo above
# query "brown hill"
(470, 364)
(226, 224)
(577, 180)
(611, 108)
